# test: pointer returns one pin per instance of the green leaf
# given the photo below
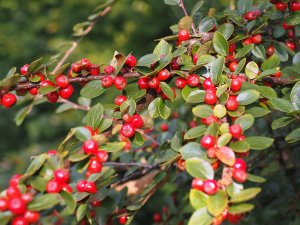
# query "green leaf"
(9, 81)
(92, 89)
(267, 92)
(77, 157)
(247, 97)
(271, 63)
(198, 199)
(226, 29)
(240, 208)
(282, 122)
(129, 106)
(196, 8)
(217, 203)
(245, 195)
(243, 51)
(259, 52)
(69, 202)
(280, 50)
(38, 183)
(185, 23)
(147, 60)
(220, 43)
(163, 48)
(281, 104)
(199, 168)
(293, 136)
(45, 201)
(245, 121)
(259, 143)
(46, 90)
(105, 124)
(61, 69)
(153, 108)
(266, 73)
(240, 146)
(216, 70)
(240, 66)
(167, 90)
(257, 111)
(244, 5)
(220, 111)
(82, 133)
(192, 150)
(226, 155)
(252, 70)
(196, 96)
(201, 217)
(179, 51)
(34, 65)
(11, 72)
(138, 139)
(35, 165)
(164, 110)
(81, 211)
(293, 19)
(94, 116)
(195, 132)
(5, 217)
(256, 179)
(224, 139)
(206, 24)
(295, 96)
(113, 146)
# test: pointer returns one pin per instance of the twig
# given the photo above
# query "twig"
(181, 4)
(74, 105)
(126, 165)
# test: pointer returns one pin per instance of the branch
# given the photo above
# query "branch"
(181, 4)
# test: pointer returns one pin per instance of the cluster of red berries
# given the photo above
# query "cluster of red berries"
(16, 203)
(59, 182)
(183, 35)
(209, 187)
(283, 5)
(239, 172)
(131, 123)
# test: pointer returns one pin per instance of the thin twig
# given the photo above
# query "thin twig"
(74, 105)
(126, 165)
(181, 4)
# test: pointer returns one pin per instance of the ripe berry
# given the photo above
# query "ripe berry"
(137, 121)
(15, 179)
(247, 41)
(123, 219)
(90, 147)
(295, 6)
(13, 192)
(31, 216)
(53, 186)
(197, 184)
(120, 83)
(95, 70)
(291, 33)
(239, 175)
(27, 197)
(183, 35)
(164, 127)
(90, 187)
(24, 69)
(62, 81)
(66, 93)
(85, 63)
(153, 83)
(209, 120)
(19, 220)
(17, 206)
(52, 96)
(163, 74)
(240, 164)
(52, 152)
(143, 83)
(96, 203)
(107, 81)
(127, 130)
(3, 204)
(102, 156)
(281, 6)
(270, 50)
(236, 84)
(8, 100)
(235, 130)
(232, 66)
(232, 48)
(80, 186)
(130, 61)
(291, 45)
(232, 104)
(76, 67)
(120, 99)
(174, 64)
(210, 187)
(180, 82)
(210, 97)
(193, 80)
(211, 152)
(251, 15)
(62, 175)
(33, 91)
(109, 69)
(156, 218)
(181, 164)
(256, 39)
(234, 218)
(94, 166)
(208, 84)
(277, 74)
(287, 26)
(208, 141)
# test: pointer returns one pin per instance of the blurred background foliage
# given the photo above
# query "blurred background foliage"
(32, 29)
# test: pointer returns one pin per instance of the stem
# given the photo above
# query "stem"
(74, 105)
(181, 4)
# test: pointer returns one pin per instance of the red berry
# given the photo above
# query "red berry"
(15, 180)
(8, 100)
(31, 216)
(210, 97)
(52, 152)
(95, 70)
(208, 84)
(247, 41)
(137, 121)
(156, 218)
(120, 83)
(13, 192)
(209, 120)
(62, 175)
(76, 67)
(163, 74)
(90, 187)
(153, 83)
(24, 69)
(33, 91)
(281, 6)
(240, 164)
(197, 184)
(234, 218)
(239, 175)
(164, 127)
(291, 45)
(4, 203)
(208, 141)
(256, 39)
(120, 99)
(277, 74)
(102, 156)
(174, 64)
(66, 93)
(62, 81)
(232, 48)
(80, 186)
(232, 104)
(295, 6)
(53, 186)
(96, 203)
(270, 50)
(46, 83)
(180, 82)
(130, 61)
(251, 15)
(109, 69)
(67, 188)
(19, 220)
(211, 152)
(90, 147)
(27, 197)
(291, 33)
(210, 187)
(236, 84)
(183, 35)
(85, 63)
(127, 130)
(94, 166)
(287, 26)
(195, 58)
(52, 96)
(193, 80)
(143, 83)
(17, 206)
(232, 66)
(235, 130)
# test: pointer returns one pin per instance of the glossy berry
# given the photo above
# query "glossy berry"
(127, 130)
(209, 120)
(53, 186)
(240, 164)
(164, 127)
(130, 61)
(163, 74)
(183, 35)
(232, 66)
(27, 197)
(232, 48)
(67, 188)
(90, 187)
(15, 180)
(96, 203)
(174, 64)
(208, 84)
(62, 81)
(277, 74)
(52, 96)
(8, 100)
(109, 69)
(120, 82)
(208, 141)
(236, 84)
(239, 175)
(19, 220)
(281, 6)
(153, 83)
(94, 166)
(234, 218)
(85, 63)
(210, 97)
(247, 41)
(13, 192)
(235, 130)
(33, 91)
(287, 26)
(256, 39)
(197, 184)
(270, 50)
(120, 99)
(31, 216)
(180, 82)
(62, 175)
(123, 219)
(67, 92)
(232, 104)
(4, 203)
(80, 186)
(193, 80)
(291, 45)
(24, 69)
(210, 187)
(156, 218)
(251, 15)
(17, 206)
(76, 67)
(90, 147)
(95, 70)
(107, 81)
(143, 83)
(295, 6)
(137, 121)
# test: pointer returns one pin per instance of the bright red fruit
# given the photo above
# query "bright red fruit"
(127, 130)
(143, 83)
(13, 192)
(33, 91)
(247, 41)
(251, 15)
(102, 156)
(90, 147)
(236, 84)
(27, 197)
(4, 203)
(130, 61)
(209, 120)
(234, 218)
(232, 66)
(24, 69)
(107, 81)
(62, 175)
(240, 164)
(210, 97)
(291, 45)
(210, 187)
(67, 92)
(236, 131)
(85, 63)
(277, 74)
(17, 206)
(52, 96)
(180, 82)
(163, 74)
(153, 83)
(164, 127)
(120, 82)
(232, 104)
(19, 220)
(193, 80)
(239, 175)
(295, 6)
(8, 100)
(183, 35)
(281, 6)
(208, 84)
(197, 184)
(80, 186)
(156, 218)
(137, 121)
(208, 141)
(15, 179)
(95, 70)
(109, 69)
(53, 186)
(287, 26)
(31, 216)
(90, 187)
(270, 50)
(46, 83)
(96, 203)
(232, 48)
(94, 166)
(256, 39)
(62, 81)
(174, 64)
(120, 99)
